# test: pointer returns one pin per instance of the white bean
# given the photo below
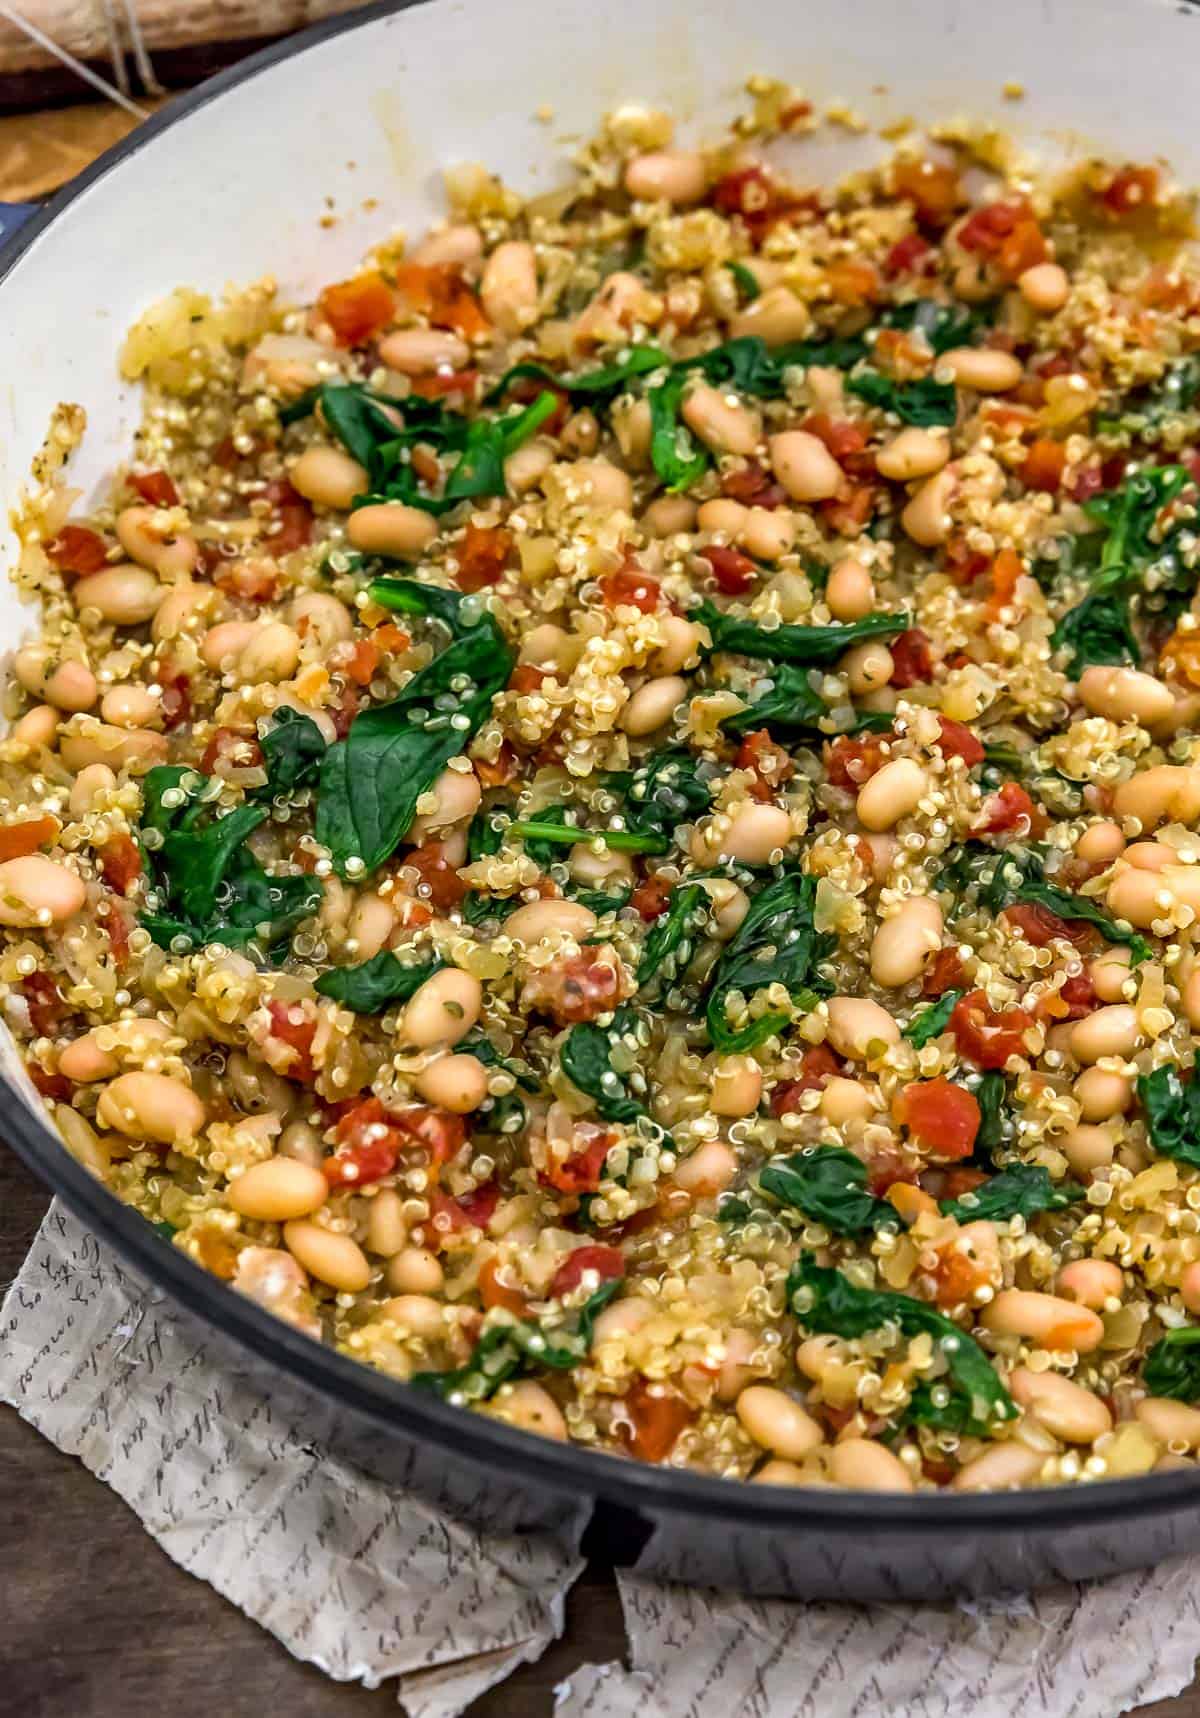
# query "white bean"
(100, 743)
(329, 477)
(1111, 1031)
(867, 667)
(769, 533)
(1169, 1421)
(1125, 695)
(669, 515)
(531, 1408)
(891, 794)
(653, 705)
(752, 834)
(1100, 844)
(391, 528)
(271, 654)
(860, 1029)
(776, 316)
(509, 287)
(147, 538)
(1092, 1282)
(736, 1087)
(455, 244)
(274, 1191)
(89, 784)
(722, 422)
(539, 918)
(1044, 287)
(456, 1082)
(1047, 1320)
(680, 647)
(131, 706)
(777, 1423)
(1087, 1149)
(457, 793)
(443, 1010)
(982, 368)
(864, 1465)
(1102, 1094)
(152, 1107)
(36, 892)
(332, 1258)
(708, 1170)
(1167, 793)
(804, 466)
(415, 1270)
(1000, 1467)
(913, 453)
(902, 945)
(926, 519)
(850, 592)
(318, 616)
(420, 351)
(666, 176)
(125, 595)
(1066, 1409)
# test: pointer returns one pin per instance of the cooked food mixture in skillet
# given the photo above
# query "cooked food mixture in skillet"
(605, 819)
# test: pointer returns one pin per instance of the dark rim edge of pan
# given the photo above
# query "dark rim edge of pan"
(473, 1437)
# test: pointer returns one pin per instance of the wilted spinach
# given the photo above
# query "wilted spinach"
(1000, 880)
(931, 1022)
(670, 941)
(942, 325)
(293, 748)
(375, 984)
(1022, 1190)
(586, 1059)
(506, 1349)
(829, 1185)
(776, 943)
(926, 403)
(1172, 1112)
(1172, 1366)
(802, 646)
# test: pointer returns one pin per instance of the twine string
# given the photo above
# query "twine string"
(117, 92)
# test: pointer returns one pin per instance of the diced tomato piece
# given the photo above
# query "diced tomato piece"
(1044, 466)
(817, 1065)
(986, 1036)
(1011, 811)
(652, 896)
(945, 972)
(1007, 569)
(155, 487)
(176, 698)
(887, 1169)
(251, 581)
(849, 515)
(390, 639)
(656, 1418)
(77, 550)
(964, 565)
(1006, 233)
(630, 587)
(357, 309)
(851, 282)
(292, 1027)
(1079, 994)
(573, 990)
(846, 441)
(19, 839)
(760, 200)
(733, 573)
(494, 1292)
(753, 487)
(367, 1143)
(912, 658)
(60, 1089)
(1130, 190)
(770, 763)
(438, 291)
(442, 1133)
(1037, 924)
(910, 255)
(45, 1001)
(295, 518)
(851, 759)
(343, 712)
(118, 924)
(473, 1211)
(607, 1263)
(438, 385)
(360, 662)
(528, 677)
(482, 556)
(120, 863)
(958, 1275)
(228, 750)
(497, 771)
(440, 882)
(940, 1115)
(956, 1182)
(931, 186)
(957, 741)
(581, 1172)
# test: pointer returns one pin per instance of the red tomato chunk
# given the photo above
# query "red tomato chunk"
(941, 1116)
(985, 1036)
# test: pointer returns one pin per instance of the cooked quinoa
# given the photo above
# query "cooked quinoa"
(605, 819)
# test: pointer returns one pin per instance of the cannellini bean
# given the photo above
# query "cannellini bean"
(844, 1101)
(1137, 895)
(37, 727)
(776, 316)
(1169, 1421)
(891, 794)
(223, 644)
(272, 653)
(130, 706)
(777, 1472)
(982, 368)
(458, 1083)
(415, 1270)
(581, 433)
(680, 647)
(1100, 844)
(777, 1423)
(867, 667)
(273, 1279)
(525, 468)
(926, 519)
(1044, 287)
(708, 1170)
(600, 869)
(804, 466)
(850, 592)
(669, 515)
(1092, 1282)
(859, 1029)
(1110, 974)
(68, 685)
(1110, 1031)
(1168, 793)
(603, 484)
(387, 1231)
(317, 615)
(83, 1060)
(443, 1010)
(818, 1355)
(1189, 1286)
(1149, 855)
(903, 944)
(391, 528)
(89, 784)
(737, 1367)
(721, 421)
(147, 539)
(419, 351)
(152, 1107)
(752, 834)
(999, 1468)
(1070, 1412)
(100, 743)
(567, 918)
(666, 176)
(334, 1259)
(531, 1408)
(736, 1087)
(653, 705)
(913, 453)
(125, 595)
(865, 1465)
(274, 1191)
(721, 514)
(1125, 695)
(457, 793)
(508, 290)
(730, 904)
(769, 532)
(1045, 1319)
(1191, 998)
(461, 243)
(1102, 1094)
(1087, 1149)
(36, 892)
(329, 477)
(416, 1314)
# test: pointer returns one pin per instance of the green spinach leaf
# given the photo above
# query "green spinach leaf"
(507, 1349)
(776, 943)
(745, 281)
(375, 984)
(1172, 1112)
(670, 942)
(292, 747)
(931, 1022)
(1172, 1366)
(927, 403)
(1022, 1190)
(829, 1185)
(942, 325)
(586, 1058)
(802, 646)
